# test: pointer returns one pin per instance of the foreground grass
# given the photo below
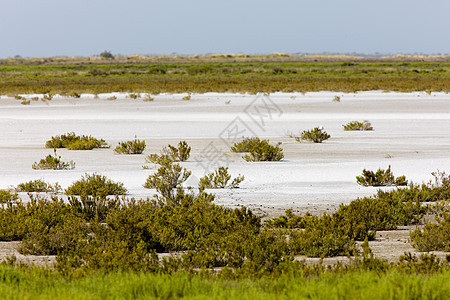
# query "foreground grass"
(249, 74)
(39, 284)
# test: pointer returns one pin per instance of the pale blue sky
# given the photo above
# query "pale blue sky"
(84, 27)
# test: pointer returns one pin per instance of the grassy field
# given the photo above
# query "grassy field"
(222, 74)
(39, 284)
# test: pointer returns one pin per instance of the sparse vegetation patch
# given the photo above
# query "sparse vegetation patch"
(380, 178)
(72, 141)
(220, 179)
(316, 135)
(53, 162)
(355, 125)
(130, 147)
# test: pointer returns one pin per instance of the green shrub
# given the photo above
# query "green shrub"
(72, 141)
(355, 125)
(316, 135)
(25, 102)
(8, 196)
(111, 98)
(38, 186)
(186, 98)
(433, 237)
(134, 95)
(95, 185)
(337, 99)
(106, 55)
(168, 178)
(263, 151)
(74, 94)
(148, 98)
(246, 144)
(380, 178)
(180, 153)
(219, 179)
(130, 147)
(51, 162)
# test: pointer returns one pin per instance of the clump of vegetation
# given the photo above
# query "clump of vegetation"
(25, 102)
(134, 95)
(380, 178)
(130, 147)
(18, 97)
(74, 94)
(337, 99)
(167, 178)
(246, 144)
(47, 97)
(106, 55)
(38, 186)
(180, 153)
(219, 179)
(433, 236)
(112, 98)
(72, 141)
(186, 98)
(8, 196)
(355, 125)
(258, 149)
(53, 162)
(148, 98)
(95, 185)
(316, 135)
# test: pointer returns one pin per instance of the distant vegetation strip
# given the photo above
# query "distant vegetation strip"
(247, 74)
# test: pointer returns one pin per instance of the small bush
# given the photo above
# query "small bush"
(264, 151)
(355, 125)
(51, 162)
(180, 153)
(25, 102)
(74, 94)
(246, 144)
(134, 96)
(106, 55)
(47, 97)
(186, 98)
(95, 185)
(130, 147)
(433, 237)
(380, 178)
(112, 98)
(168, 177)
(337, 99)
(7, 196)
(148, 98)
(38, 186)
(316, 135)
(72, 141)
(219, 179)
(18, 97)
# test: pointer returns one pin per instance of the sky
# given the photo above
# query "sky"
(46, 28)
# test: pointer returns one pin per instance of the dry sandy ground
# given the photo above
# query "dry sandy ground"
(411, 133)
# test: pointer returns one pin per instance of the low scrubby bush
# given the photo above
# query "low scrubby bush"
(246, 144)
(96, 185)
(258, 150)
(51, 162)
(433, 236)
(219, 179)
(130, 147)
(316, 135)
(38, 186)
(380, 178)
(355, 125)
(180, 153)
(72, 141)
(7, 196)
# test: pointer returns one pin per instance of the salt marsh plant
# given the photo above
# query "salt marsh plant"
(96, 185)
(355, 125)
(380, 178)
(186, 98)
(38, 186)
(258, 149)
(53, 162)
(180, 153)
(130, 147)
(337, 99)
(246, 144)
(316, 135)
(148, 98)
(72, 141)
(134, 95)
(8, 196)
(219, 179)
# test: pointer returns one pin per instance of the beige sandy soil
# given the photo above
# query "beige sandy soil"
(411, 133)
